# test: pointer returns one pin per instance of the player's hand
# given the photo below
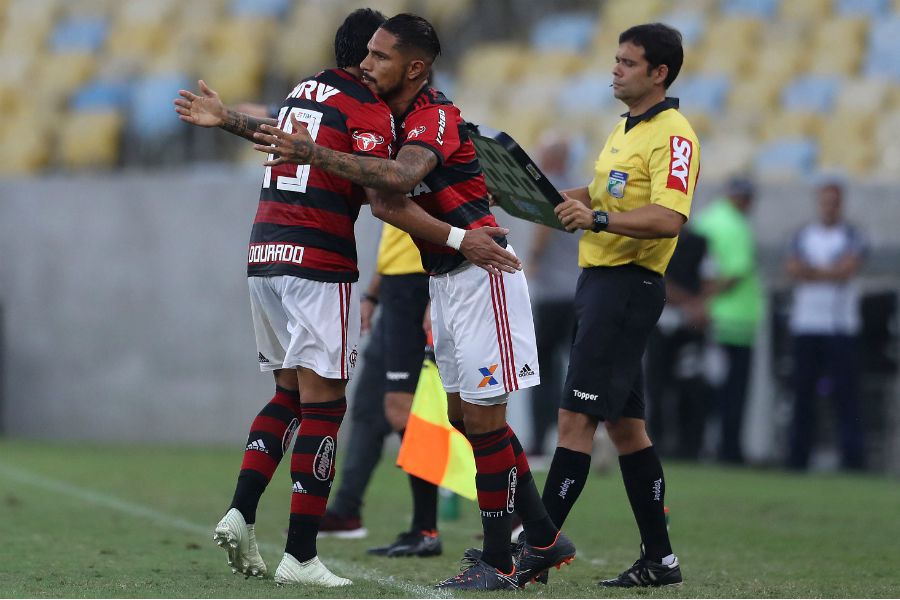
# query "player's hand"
(366, 311)
(295, 147)
(574, 215)
(204, 111)
(479, 247)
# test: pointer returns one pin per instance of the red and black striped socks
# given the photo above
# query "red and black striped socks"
(269, 438)
(496, 481)
(312, 471)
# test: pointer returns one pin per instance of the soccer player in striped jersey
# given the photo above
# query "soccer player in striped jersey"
(482, 323)
(302, 272)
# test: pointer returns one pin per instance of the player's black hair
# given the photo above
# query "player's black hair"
(661, 44)
(413, 31)
(352, 38)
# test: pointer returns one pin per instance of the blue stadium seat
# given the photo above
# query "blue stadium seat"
(884, 48)
(691, 24)
(564, 32)
(861, 8)
(275, 9)
(763, 9)
(787, 156)
(586, 92)
(151, 115)
(79, 34)
(812, 93)
(704, 93)
(100, 94)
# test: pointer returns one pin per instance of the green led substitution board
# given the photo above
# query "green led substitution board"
(515, 182)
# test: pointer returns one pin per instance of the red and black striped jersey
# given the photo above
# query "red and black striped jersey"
(304, 223)
(454, 191)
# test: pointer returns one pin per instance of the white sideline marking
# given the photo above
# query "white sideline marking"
(144, 512)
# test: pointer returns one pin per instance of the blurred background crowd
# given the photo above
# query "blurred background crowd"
(122, 230)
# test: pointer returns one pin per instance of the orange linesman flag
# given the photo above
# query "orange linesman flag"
(432, 448)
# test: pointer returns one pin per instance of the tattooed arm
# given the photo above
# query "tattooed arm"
(209, 111)
(412, 164)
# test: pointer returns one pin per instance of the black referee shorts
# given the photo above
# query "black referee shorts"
(616, 308)
(403, 302)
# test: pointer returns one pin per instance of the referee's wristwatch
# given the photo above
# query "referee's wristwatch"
(601, 221)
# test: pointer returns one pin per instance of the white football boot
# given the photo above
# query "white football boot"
(239, 540)
(311, 572)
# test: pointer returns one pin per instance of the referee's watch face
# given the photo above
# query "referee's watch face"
(631, 79)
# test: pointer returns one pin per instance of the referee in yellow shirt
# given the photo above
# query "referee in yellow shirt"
(633, 211)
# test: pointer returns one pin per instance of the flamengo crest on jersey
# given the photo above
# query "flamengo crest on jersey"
(680, 150)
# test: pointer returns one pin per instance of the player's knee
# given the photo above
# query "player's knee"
(628, 435)
(286, 378)
(576, 430)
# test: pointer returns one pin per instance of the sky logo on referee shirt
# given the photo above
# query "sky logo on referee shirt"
(488, 374)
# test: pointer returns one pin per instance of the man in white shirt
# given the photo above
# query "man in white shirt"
(824, 261)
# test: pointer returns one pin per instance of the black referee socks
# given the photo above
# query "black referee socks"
(646, 488)
(568, 474)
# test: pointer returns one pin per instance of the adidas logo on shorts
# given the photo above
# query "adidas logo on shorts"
(262, 358)
(258, 445)
(526, 371)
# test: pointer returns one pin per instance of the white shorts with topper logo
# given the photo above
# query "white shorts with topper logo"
(483, 333)
(304, 323)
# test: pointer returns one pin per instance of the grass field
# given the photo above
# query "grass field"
(114, 521)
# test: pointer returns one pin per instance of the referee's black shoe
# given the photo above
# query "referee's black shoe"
(646, 573)
(533, 563)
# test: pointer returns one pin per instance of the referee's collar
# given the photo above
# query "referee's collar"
(651, 112)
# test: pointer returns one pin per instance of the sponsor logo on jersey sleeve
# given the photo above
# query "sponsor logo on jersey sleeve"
(680, 151)
(367, 141)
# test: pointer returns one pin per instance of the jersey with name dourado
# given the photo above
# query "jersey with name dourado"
(653, 158)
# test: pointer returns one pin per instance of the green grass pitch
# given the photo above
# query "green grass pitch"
(119, 521)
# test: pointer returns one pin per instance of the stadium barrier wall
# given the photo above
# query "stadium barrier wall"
(127, 315)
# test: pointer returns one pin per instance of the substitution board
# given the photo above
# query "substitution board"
(516, 183)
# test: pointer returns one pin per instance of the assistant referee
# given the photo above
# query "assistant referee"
(633, 211)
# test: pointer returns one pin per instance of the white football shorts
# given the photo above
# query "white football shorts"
(304, 323)
(483, 333)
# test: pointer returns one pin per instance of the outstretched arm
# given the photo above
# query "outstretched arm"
(412, 164)
(209, 111)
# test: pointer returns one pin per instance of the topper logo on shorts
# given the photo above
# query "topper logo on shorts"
(324, 459)
(679, 163)
(488, 373)
(511, 490)
(584, 395)
(289, 434)
(416, 132)
(366, 141)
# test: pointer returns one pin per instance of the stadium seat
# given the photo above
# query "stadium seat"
(845, 139)
(24, 143)
(90, 139)
(691, 24)
(100, 94)
(79, 34)
(866, 8)
(706, 93)
(786, 157)
(493, 64)
(787, 123)
(571, 32)
(726, 153)
(58, 75)
(586, 93)
(151, 116)
(618, 15)
(813, 93)
(883, 57)
(142, 12)
(805, 10)
(274, 9)
(869, 95)
(135, 41)
(763, 9)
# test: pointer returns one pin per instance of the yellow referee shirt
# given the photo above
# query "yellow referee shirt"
(397, 254)
(656, 161)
